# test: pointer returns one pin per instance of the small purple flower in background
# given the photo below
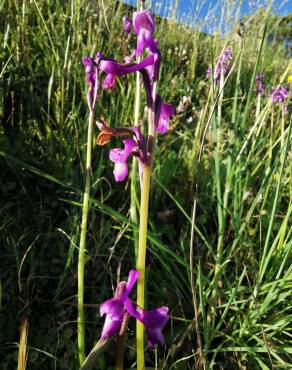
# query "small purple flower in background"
(279, 94)
(285, 110)
(143, 23)
(118, 309)
(222, 66)
(260, 86)
(127, 24)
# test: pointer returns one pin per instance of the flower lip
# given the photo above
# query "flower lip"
(119, 157)
(153, 321)
(114, 308)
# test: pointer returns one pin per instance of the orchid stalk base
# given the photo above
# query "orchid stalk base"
(141, 261)
(81, 257)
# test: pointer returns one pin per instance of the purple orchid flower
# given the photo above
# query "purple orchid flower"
(114, 308)
(260, 86)
(153, 321)
(114, 69)
(120, 157)
(118, 309)
(127, 23)
(134, 146)
(279, 94)
(143, 23)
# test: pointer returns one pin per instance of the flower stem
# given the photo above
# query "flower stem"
(133, 207)
(120, 353)
(141, 261)
(80, 318)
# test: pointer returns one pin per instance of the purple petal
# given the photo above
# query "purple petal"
(154, 337)
(130, 145)
(133, 277)
(114, 311)
(155, 318)
(110, 327)
(127, 23)
(108, 66)
(109, 81)
(153, 69)
(143, 23)
(165, 113)
(125, 69)
(120, 171)
(87, 61)
(120, 156)
(116, 155)
(153, 321)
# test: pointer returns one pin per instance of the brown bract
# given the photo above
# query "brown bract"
(106, 132)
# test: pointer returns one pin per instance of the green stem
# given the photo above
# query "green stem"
(220, 211)
(120, 353)
(80, 319)
(133, 207)
(141, 261)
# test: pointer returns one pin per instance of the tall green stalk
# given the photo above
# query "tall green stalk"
(133, 207)
(144, 205)
(141, 261)
(80, 318)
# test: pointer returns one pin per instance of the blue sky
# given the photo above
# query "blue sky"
(188, 7)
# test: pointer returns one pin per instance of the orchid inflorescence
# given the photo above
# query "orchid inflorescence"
(222, 67)
(279, 95)
(120, 307)
(137, 145)
(260, 87)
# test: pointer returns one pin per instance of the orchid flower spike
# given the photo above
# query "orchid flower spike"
(260, 86)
